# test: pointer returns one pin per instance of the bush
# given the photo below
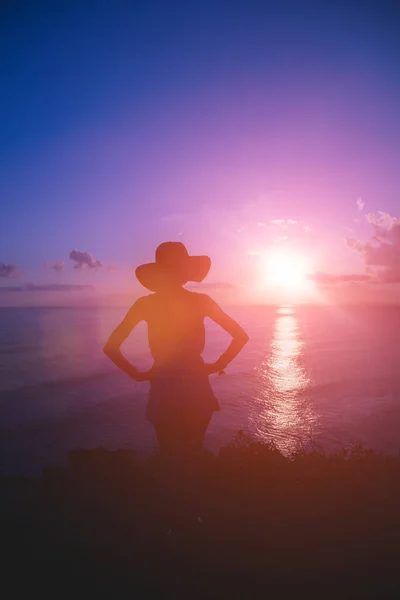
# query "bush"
(245, 523)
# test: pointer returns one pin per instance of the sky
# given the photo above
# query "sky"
(241, 129)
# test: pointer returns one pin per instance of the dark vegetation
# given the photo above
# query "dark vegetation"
(247, 523)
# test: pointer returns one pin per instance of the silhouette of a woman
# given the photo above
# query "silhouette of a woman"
(181, 400)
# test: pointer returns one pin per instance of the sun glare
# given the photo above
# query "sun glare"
(287, 270)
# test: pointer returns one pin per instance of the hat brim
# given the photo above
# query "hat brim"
(153, 276)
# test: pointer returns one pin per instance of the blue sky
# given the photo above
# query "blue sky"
(124, 124)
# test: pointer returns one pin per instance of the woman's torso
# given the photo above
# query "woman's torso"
(179, 385)
(175, 327)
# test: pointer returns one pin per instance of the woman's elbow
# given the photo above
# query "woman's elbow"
(108, 349)
(243, 337)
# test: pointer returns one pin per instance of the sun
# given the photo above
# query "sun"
(286, 270)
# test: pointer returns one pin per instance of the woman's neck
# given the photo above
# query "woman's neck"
(171, 291)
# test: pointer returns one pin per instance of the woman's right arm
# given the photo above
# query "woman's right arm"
(112, 346)
(239, 336)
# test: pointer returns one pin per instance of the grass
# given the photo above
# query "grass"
(247, 523)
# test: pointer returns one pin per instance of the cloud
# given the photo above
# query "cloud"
(52, 287)
(329, 278)
(291, 227)
(381, 253)
(84, 260)
(216, 285)
(386, 226)
(8, 270)
(360, 204)
(284, 222)
(261, 224)
(56, 265)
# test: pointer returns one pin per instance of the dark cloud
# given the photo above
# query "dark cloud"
(8, 270)
(330, 279)
(381, 253)
(84, 260)
(55, 265)
(52, 287)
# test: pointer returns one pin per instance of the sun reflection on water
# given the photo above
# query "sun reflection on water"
(284, 413)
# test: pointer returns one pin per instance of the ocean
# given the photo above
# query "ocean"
(323, 376)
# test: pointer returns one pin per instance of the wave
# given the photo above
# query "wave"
(50, 384)
(18, 349)
(367, 383)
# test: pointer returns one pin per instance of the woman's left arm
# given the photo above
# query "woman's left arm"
(239, 336)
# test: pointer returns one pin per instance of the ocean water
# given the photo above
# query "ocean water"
(325, 376)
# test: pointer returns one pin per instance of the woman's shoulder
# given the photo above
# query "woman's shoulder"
(144, 303)
(200, 297)
(200, 300)
(143, 300)
(195, 296)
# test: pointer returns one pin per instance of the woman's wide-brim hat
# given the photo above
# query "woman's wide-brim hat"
(173, 262)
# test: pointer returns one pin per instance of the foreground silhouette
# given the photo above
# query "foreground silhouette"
(313, 526)
(181, 401)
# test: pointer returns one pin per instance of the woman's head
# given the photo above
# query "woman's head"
(173, 267)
